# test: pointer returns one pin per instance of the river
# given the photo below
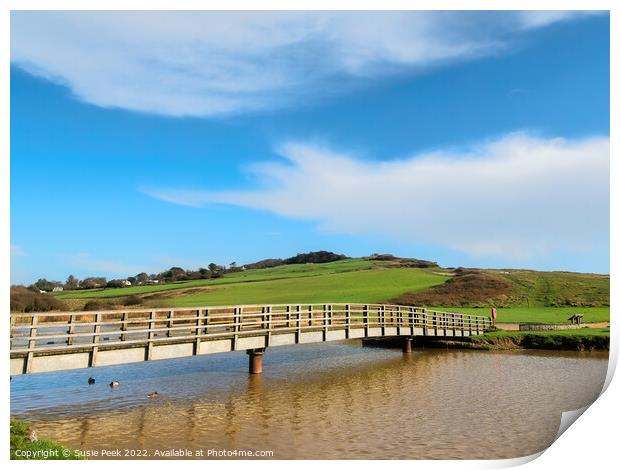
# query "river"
(330, 400)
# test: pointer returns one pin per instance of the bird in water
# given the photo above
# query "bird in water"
(152, 395)
(114, 384)
(91, 381)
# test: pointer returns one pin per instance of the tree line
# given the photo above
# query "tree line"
(175, 273)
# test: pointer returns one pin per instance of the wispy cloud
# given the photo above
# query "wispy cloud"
(214, 63)
(17, 251)
(517, 197)
(96, 266)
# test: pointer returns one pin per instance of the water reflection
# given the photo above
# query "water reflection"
(335, 400)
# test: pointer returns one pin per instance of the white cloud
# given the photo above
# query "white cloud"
(515, 198)
(213, 63)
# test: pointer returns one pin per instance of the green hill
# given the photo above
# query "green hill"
(520, 295)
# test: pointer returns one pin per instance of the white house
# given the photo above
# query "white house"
(57, 289)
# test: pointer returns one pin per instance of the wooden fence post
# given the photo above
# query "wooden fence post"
(197, 332)
(150, 335)
(347, 316)
(298, 323)
(95, 348)
(31, 342)
(124, 325)
(170, 323)
(237, 327)
(71, 330)
(268, 318)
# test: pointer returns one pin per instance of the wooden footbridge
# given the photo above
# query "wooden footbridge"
(45, 342)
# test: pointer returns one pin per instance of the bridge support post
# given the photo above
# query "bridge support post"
(407, 345)
(256, 360)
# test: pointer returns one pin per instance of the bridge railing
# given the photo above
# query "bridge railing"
(65, 331)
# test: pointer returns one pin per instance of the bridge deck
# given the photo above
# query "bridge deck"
(44, 342)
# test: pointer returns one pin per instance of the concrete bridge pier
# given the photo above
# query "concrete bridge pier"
(256, 360)
(407, 345)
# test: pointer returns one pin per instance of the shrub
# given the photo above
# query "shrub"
(133, 300)
(98, 305)
(115, 283)
(25, 300)
(314, 257)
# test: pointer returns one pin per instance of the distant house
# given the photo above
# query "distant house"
(152, 281)
(126, 283)
(57, 289)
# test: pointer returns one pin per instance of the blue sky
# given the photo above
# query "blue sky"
(142, 141)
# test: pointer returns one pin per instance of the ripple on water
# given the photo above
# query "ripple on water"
(334, 400)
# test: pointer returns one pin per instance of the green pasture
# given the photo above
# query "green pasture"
(253, 275)
(538, 314)
(370, 286)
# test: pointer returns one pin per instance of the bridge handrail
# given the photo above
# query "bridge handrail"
(221, 307)
(214, 322)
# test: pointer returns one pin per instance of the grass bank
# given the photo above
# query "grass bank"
(24, 446)
(538, 313)
(584, 339)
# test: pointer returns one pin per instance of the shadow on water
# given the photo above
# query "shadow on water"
(335, 400)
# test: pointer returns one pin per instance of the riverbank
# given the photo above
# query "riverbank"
(584, 339)
(26, 446)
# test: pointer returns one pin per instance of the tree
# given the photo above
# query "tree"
(212, 267)
(142, 278)
(72, 282)
(174, 274)
(115, 283)
(132, 279)
(44, 284)
(93, 282)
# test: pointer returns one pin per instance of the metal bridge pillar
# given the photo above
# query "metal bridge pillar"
(407, 345)
(256, 360)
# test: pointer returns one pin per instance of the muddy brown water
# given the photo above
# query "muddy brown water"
(335, 400)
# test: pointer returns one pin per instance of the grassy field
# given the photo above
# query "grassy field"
(539, 313)
(341, 281)
(559, 289)
(522, 295)
(254, 275)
